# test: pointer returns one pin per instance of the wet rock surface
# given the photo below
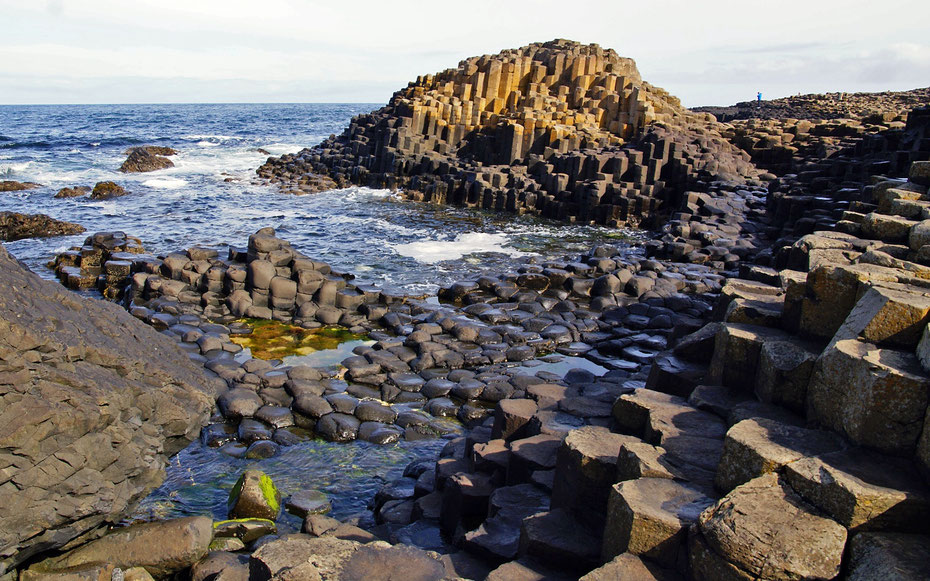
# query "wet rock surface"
(146, 159)
(16, 226)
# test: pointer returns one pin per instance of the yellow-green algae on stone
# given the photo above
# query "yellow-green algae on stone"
(254, 496)
(275, 340)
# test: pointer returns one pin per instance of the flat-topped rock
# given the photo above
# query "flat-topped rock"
(863, 490)
(875, 397)
(586, 467)
(630, 567)
(555, 538)
(759, 446)
(650, 517)
(765, 530)
(736, 353)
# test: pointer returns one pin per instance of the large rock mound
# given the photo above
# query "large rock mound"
(560, 129)
(92, 402)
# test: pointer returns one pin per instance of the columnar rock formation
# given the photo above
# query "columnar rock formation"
(560, 129)
(92, 403)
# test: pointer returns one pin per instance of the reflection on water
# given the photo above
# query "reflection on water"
(558, 365)
(298, 346)
(198, 479)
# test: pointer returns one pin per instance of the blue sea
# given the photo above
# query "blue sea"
(213, 197)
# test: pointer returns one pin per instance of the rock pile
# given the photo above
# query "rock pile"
(104, 262)
(559, 129)
(92, 403)
(147, 158)
(13, 186)
(16, 226)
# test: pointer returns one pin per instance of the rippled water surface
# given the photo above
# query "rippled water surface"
(212, 195)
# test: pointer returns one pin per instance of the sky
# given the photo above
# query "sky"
(709, 52)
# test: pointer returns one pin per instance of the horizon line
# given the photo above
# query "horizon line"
(192, 103)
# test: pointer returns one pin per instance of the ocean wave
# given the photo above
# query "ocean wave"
(433, 251)
(165, 183)
(15, 168)
(10, 144)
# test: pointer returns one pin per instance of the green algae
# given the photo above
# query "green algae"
(275, 340)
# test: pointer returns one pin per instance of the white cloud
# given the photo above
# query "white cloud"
(716, 51)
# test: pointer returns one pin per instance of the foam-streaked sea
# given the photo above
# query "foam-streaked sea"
(213, 197)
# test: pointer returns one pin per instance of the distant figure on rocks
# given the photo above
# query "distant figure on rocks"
(759, 97)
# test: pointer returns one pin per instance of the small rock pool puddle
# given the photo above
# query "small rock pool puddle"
(322, 348)
(199, 478)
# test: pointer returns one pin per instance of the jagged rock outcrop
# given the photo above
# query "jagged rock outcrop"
(560, 129)
(147, 158)
(16, 226)
(107, 190)
(13, 186)
(92, 403)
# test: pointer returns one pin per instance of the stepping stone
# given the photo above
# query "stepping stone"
(526, 569)
(491, 457)
(785, 369)
(670, 374)
(631, 411)
(875, 397)
(307, 502)
(464, 500)
(764, 530)
(642, 460)
(759, 446)
(512, 418)
(651, 517)
(498, 537)
(585, 469)
(736, 354)
(885, 556)
(863, 490)
(888, 317)
(716, 399)
(630, 567)
(558, 540)
(531, 454)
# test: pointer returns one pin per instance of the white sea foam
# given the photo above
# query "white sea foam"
(207, 144)
(165, 183)
(432, 251)
(282, 148)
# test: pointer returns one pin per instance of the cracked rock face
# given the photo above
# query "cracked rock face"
(92, 403)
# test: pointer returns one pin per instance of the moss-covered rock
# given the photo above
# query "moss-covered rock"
(254, 496)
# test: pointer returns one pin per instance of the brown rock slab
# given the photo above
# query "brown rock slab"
(784, 372)
(736, 354)
(863, 490)
(651, 517)
(766, 530)
(758, 446)
(585, 469)
(629, 567)
(512, 418)
(558, 540)
(163, 547)
(875, 397)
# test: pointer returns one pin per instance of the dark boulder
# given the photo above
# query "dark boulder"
(148, 158)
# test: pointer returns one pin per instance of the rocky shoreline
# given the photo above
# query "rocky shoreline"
(764, 413)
